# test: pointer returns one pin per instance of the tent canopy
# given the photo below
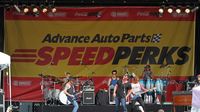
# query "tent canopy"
(4, 61)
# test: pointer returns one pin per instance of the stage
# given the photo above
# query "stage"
(95, 108)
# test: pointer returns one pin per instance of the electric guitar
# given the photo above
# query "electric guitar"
(66, 100)
(137, 94)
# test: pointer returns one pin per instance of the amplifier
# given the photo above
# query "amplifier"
(88, 88)
(111, 98)
(88, 97)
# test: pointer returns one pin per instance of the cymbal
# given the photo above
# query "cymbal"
(43, 76)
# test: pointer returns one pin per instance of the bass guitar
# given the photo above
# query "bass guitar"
(138, 94)
(66, 100)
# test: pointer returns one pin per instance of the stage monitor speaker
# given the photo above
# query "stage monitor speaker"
(2, 101)
(88, 98)
(111, 98)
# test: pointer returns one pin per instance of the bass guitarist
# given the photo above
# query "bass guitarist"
(69, 90)
(136, 87)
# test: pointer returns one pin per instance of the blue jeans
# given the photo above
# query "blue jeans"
(123, 103)
(75, 109)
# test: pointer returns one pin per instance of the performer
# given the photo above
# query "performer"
(197, 80)
(67, 76)
(69, 91)
(147, 73)
(113, 80)
(148, 82)
(120, 93)
(136, 88)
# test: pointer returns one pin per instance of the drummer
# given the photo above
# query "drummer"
(148, 79)
(147, 73)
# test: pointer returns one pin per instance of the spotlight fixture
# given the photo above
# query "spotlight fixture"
(187, 9)
(25, 9)
(178, 10)
(44, 9)
(161, 10)
(170, 10)
(35, 10)
(53, 9)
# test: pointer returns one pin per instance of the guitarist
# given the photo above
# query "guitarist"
(119, 93)
(69, 91)
(135, 88)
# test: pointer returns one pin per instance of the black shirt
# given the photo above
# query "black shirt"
(122, 89)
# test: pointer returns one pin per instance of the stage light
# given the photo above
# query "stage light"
(35, 10)
(161, 10)
(187, 10)
(170, 10)
(25, 9)
(53, 9)
(44, 10)
(178, 10)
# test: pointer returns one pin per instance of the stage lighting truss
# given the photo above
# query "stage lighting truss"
(31, 9)
(178, 9)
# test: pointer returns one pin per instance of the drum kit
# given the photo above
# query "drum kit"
(52, 87)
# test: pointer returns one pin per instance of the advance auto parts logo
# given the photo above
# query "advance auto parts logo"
(87, 55)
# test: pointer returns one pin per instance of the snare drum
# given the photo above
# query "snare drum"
(159, 86)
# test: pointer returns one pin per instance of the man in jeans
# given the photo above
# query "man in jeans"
(69, 91)
(120, 91)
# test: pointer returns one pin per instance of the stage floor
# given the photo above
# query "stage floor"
(96, 108)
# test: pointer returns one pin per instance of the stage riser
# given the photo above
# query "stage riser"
(95, 108)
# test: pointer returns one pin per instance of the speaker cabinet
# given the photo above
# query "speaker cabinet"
(2, 101)
(111, 98)
(88, 97)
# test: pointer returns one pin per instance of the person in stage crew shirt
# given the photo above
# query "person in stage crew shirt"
(120, 91)
(136, 88)
(69, 91)
(113, 80)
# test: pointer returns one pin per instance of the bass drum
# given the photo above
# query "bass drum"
(63, 98)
